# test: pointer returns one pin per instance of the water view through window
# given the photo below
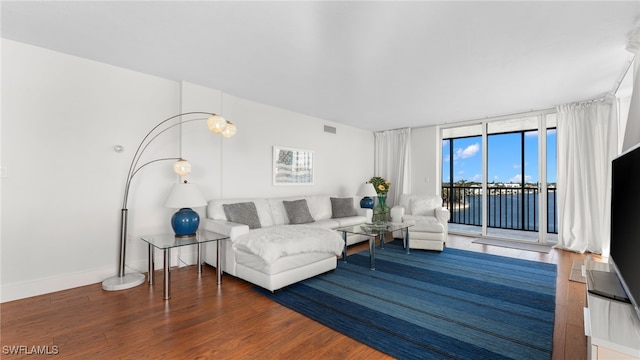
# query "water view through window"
(512, 176)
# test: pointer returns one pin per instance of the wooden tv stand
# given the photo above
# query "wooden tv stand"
(612, 327)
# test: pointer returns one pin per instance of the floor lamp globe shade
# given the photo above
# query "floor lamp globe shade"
(229, 131)
(185, 222)
(366, 203)
(216, 124)
(182, 167)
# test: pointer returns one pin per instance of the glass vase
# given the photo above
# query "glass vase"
(381, 211)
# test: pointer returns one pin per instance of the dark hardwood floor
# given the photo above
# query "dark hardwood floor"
(203, 321)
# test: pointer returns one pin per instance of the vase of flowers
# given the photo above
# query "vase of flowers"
(381, 211)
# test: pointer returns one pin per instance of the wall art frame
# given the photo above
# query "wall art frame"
(292, 166)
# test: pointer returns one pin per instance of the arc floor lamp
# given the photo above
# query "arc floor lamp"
(216, 124)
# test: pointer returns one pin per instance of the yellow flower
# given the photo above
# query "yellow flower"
(380, 184)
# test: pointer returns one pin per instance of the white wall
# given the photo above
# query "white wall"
(61, 200)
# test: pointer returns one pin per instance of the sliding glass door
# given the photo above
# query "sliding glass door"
(462, 179)
(500, 182)
(513, 174)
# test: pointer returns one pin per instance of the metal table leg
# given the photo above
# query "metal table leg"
(167, 274)
(199, 257)
(151, 264)
(344, 252)
(218, 265)
(406, 236)
(372, 252)
(382, 239)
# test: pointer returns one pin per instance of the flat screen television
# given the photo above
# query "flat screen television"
(625, 226)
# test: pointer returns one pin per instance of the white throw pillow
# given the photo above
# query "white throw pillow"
(319, 206)
(278, 213)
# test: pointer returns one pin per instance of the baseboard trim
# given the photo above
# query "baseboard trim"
(26, 289)
(22, 290)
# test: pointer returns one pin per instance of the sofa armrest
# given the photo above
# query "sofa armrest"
(397, 213)
(368, 213)
(230, 229)
(442, 214)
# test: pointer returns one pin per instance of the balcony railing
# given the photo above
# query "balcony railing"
(514, 208)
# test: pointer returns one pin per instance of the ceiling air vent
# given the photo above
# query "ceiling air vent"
(329, 129)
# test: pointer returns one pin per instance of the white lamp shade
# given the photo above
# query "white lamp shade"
(366, 189)
(184, 196)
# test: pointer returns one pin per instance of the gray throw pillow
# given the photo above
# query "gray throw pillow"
(342, 207)
(298, 211)
(243, 213)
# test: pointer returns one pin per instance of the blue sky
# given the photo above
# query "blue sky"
(504, 158)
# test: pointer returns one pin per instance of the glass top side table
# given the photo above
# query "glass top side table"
(166, 242)
(373, 230)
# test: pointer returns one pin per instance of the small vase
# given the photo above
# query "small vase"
(381, 211)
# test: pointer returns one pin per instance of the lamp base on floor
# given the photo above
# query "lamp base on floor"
(127, 281)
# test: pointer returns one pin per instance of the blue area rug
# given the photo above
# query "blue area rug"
(430, 305)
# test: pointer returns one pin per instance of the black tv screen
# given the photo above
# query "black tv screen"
(625, 223)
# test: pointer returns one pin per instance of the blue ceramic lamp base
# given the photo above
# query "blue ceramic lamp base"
(366, 202)
(185, 222)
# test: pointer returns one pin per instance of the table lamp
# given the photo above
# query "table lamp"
(184, 196)
(367, 190)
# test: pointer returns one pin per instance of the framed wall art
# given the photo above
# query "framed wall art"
(292, 166)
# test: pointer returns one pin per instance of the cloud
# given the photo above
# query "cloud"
(467, 152)
(518, 178)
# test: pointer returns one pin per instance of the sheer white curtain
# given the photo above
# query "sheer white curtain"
(587, 142)
(392, 159)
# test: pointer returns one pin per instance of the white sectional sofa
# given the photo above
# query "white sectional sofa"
(283, 248)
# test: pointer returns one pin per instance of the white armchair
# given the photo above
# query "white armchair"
(430, 218)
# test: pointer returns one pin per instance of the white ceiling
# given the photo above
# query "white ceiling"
(374, 65)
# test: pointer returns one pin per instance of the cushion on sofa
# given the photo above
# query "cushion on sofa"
(319, 206)
(342, 207)
(242, 213)
(216, 211)
(298, 211)
(278, 212)
(425, 205)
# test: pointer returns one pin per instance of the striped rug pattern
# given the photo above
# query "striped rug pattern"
(429, 305)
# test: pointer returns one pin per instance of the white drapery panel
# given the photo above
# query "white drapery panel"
(587, 142)
(392, 159)
(632, 131)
